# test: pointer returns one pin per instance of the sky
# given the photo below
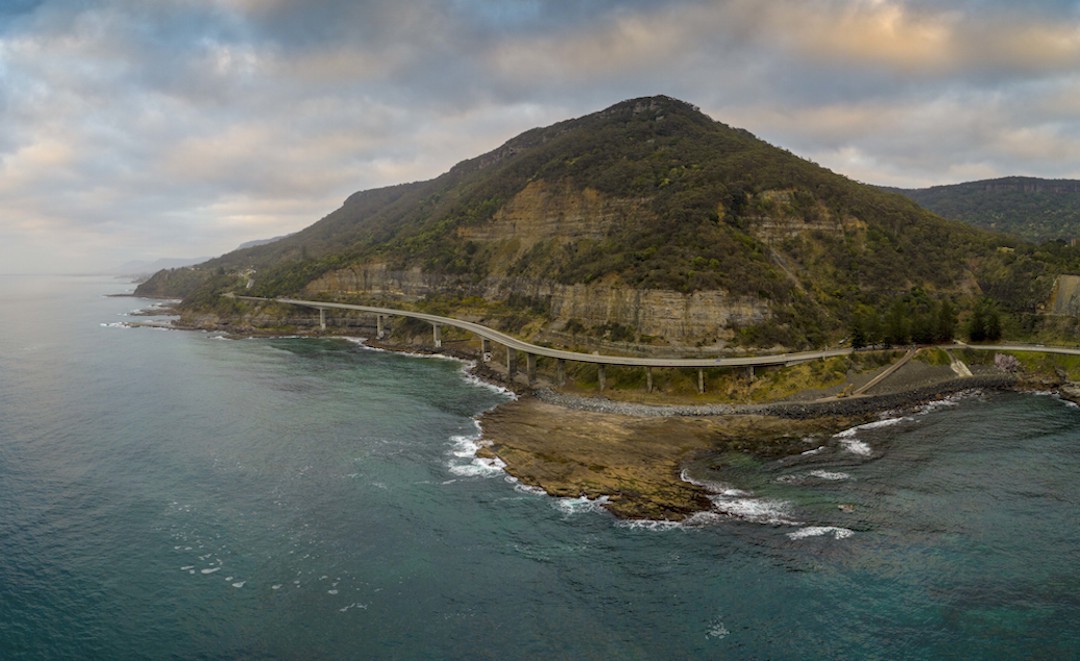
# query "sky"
(138, 129)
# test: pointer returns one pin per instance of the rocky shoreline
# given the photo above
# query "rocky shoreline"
(632, 457)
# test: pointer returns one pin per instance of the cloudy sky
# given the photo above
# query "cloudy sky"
(138, 129)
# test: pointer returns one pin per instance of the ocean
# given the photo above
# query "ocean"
(178, 495)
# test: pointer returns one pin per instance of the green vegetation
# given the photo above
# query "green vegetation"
(934, 357)
(175, 283)
(694, 206)
(1063, 365)
(985, 323)
(911, 318)
(1033, 209)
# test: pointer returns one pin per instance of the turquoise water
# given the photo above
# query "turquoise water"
(169, 494)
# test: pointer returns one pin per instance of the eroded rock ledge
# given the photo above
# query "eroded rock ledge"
(635, 454)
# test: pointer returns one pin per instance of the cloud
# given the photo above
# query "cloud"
(178, 127)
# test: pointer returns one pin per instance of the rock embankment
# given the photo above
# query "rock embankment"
(850, 406)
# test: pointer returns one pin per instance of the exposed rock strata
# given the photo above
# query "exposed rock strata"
(558, 214)
(682, 320)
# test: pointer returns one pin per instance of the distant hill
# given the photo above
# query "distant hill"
(1034, 209)
(145, 268)
(260, 242)
(645, 223)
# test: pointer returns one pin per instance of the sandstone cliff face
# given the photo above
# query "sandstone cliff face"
(556, 213)
(377, 279)
(559, 213)
(704, 318)
(700, 318)
(1065, 299)
(780, 220)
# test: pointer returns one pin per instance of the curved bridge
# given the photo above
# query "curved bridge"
(511, 342)
(532, 351)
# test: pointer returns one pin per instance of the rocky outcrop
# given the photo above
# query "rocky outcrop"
(544, 210)
(378, 280)
(559, 213)
(1065, 299)
(779, 218)
(699, 318)
(703, 318)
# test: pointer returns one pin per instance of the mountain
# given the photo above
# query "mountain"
(1031, 208)
(645, 223)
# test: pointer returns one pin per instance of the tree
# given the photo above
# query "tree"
(993, 324)
(946, 322)
(976, 327)
(985, 322)
(858, 332)
(897, 324)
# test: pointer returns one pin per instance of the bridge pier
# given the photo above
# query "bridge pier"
(380, 331)
(701, 381)
(511, 363)
(530, 367)
(485, 350)
(436, 333)
(648, 379)
(601, 376)
(560, 372)
(750, 373)
(322, 318)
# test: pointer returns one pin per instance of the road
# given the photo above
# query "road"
(631, 361)
(525, 347)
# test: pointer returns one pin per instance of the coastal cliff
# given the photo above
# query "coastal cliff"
(647, 225)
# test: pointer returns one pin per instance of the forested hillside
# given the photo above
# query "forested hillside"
(650, 222)
(1034, 209)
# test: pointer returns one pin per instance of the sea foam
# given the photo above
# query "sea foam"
(819, 531)
(755, 510)
(582, 504)
(648, 524)
(855, 446)
(465, 463)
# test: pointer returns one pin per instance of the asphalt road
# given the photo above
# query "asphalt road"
(521, 345)
(632, 361)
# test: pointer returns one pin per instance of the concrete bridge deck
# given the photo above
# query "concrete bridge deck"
(532, 351)
(512, 342)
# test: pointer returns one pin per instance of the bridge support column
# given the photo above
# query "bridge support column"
(380, 330)
(485, 350)
(601, 376)
(322, 318)
(750, 373)
(648, 379)
(436, 333)
(530, 367)
(560, 372)
(511, 363)
(701, 381)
